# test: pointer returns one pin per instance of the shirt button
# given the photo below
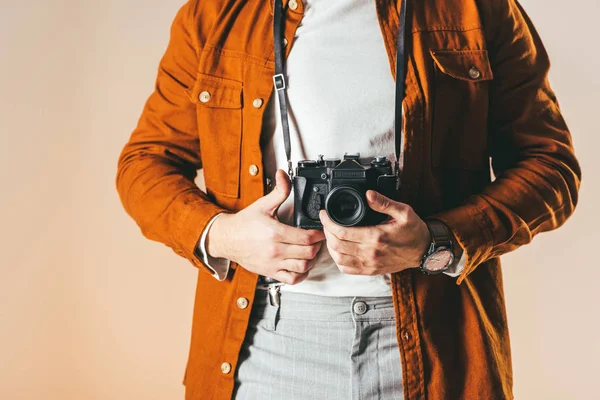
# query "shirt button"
(285, 41)
(225, 368)
(204, 97)
(242, 302)
(474, 73)
(253, 170)
(360, 307)
(293, 4)
(257, 103)
(406, 335)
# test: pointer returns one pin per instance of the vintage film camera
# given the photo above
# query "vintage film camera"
(339, 187)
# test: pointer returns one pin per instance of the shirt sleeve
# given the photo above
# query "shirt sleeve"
(456, 268)
(218, 266)
(158, 165)
(537, 174)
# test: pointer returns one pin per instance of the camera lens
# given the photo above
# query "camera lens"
(345, 206)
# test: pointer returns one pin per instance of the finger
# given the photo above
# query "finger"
(299, 252)
(288, 277)
(357, 234)
(383, 204)
(345, 259)
(298, 266)
(342, 246)
(292, 235)
(344, 269)
(271, 202)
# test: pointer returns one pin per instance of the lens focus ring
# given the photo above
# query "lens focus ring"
(345, 206)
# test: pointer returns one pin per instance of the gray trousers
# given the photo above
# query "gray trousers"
(320, 348)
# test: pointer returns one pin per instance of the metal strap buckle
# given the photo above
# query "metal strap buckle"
(274, 293)
(279, 81)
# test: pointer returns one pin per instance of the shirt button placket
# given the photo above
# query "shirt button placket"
(253, 170)
(257, 103)
(225, 368)
(242, 302)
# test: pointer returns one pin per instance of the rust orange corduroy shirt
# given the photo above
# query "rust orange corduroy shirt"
(452, 333)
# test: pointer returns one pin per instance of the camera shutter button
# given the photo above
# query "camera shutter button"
(253, 170)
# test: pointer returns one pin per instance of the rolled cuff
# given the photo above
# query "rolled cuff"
(218, 266)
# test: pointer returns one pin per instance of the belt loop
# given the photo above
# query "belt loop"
(352, 310)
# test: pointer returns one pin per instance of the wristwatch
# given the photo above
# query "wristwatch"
(440, 254)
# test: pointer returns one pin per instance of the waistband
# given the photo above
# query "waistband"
(310, 307)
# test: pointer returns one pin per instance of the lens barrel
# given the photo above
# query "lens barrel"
(345, 206)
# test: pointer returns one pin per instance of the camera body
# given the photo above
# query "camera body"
(339, 187)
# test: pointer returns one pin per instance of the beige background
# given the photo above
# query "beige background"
(89, 309)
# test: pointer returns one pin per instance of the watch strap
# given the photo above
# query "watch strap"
(440, 234)
(441, 238)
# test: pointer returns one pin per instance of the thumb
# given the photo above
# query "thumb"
(271, 202)
(382, 204)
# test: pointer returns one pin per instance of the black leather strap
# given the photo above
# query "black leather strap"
(441, 238)
(400, 77)
(440, 234)
(281, 85)
(279, 80)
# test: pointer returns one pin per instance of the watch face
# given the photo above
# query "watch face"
(439, 261)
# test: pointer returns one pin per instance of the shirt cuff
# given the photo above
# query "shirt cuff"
(456, 268)
(218, 266)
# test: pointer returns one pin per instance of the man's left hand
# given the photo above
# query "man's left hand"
(394, 245)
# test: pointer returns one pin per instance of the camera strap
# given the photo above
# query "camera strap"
(280, 83)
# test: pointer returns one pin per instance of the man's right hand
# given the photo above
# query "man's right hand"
(255, 239)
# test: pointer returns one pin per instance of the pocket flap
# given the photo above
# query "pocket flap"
(466, 65)
(212, 91)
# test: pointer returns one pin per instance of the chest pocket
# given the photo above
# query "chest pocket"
(460, 109)
(219, 112)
